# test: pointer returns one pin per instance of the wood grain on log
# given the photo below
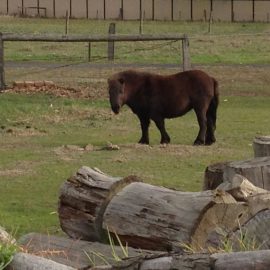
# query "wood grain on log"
(256, 170)
(159, 218)
(254, 234)
(240, 188)
(83, 200)
(261, 146)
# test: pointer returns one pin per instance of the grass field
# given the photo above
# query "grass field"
(42, 136)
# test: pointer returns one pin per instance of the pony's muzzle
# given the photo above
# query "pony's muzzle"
(116, 109)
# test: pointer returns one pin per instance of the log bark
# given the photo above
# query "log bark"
(213, 175)
(155, 218)
(256, 170)
(261, 146)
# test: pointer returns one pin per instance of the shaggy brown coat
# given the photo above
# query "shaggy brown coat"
(156, 97)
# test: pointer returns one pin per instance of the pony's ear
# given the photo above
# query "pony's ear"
(121, 80)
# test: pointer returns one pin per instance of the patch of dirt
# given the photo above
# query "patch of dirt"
(65, 152)
(20, 168)
(22, 131)
(90, 82)
(53, 90)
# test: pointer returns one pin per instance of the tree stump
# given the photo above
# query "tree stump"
(151, 217)
(213, 175)
(256, 170)
(261, 146)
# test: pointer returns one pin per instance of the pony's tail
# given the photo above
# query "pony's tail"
(212, 110)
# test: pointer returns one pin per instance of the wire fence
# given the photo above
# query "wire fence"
(109, 39)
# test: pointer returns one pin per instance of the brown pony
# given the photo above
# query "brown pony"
(156, 97)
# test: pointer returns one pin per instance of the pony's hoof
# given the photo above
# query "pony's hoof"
(198, 142)
(209, 142)
(143, 142)
(165, 141)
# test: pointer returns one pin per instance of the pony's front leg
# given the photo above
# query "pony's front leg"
(165, 138)
(145, 122)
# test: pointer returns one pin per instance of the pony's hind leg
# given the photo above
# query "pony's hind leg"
(210, 136)
(211, 122)
(202, 121)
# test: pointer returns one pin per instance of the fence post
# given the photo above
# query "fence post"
(67, 23)
(2, 71)
(210, 22)
(111, 43)
(141, 18)
(185, 53)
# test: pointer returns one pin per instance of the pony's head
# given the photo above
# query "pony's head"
(116, 92)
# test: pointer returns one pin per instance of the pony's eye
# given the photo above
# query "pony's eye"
(121, 80)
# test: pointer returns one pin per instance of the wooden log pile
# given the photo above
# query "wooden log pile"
(155, 218)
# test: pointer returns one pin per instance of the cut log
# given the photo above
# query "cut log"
(165, 261)
(241, 260)
(74, 253)
(261, 146)
(213, 175)
(24, 261)
(256, 170)
(83, 200)
(199, 261)
(240, 188)
(158, 218)
(155, 218)
(254, 234)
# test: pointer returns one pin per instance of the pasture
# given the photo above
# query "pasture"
(43, 135)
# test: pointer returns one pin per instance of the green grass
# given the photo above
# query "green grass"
(7, 251)
(232, 43)
(34, 162)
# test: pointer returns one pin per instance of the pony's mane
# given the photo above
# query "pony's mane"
(130, 75)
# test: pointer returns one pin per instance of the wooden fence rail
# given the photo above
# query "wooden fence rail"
(92, 38)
